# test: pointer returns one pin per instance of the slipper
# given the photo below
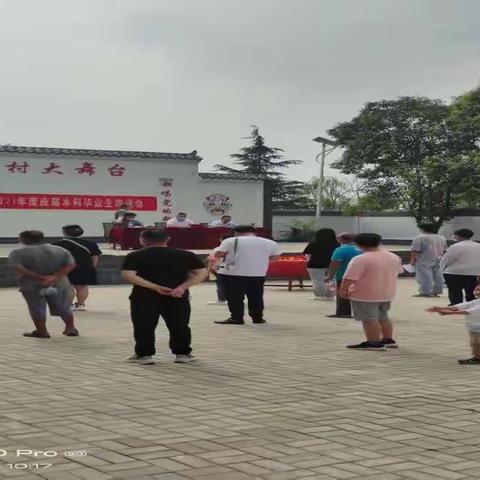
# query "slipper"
(36, 334)
(73, 333)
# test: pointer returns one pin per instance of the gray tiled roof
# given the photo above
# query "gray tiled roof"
(98, 153)
(231, 176)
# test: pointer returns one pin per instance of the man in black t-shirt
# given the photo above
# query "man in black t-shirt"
(161, 277)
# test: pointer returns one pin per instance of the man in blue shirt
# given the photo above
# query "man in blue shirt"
(340, 259)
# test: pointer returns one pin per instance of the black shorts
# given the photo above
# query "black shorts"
(83, 276)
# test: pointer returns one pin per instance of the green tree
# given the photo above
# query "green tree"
(418, 151)
(259, 159)
(336, 192)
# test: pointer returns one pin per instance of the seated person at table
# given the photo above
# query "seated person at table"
(225, 221)
(130, 221)
(120, 213)
(180, 221)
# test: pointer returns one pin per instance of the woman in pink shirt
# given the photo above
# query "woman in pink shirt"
(370, 283)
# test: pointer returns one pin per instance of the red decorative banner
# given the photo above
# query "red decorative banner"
(60, 201)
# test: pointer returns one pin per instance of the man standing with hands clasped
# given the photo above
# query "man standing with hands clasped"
(161, 277)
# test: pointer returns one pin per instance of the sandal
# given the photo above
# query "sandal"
(36, 334)
(72, 333)
(469, 361)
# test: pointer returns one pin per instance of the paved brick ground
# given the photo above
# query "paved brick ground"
(283, 401)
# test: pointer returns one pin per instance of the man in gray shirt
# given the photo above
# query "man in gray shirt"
(42, 276)
(426, 251)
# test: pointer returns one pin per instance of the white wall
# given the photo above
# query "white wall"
(394, 228)
(141, 179)
(282, 224)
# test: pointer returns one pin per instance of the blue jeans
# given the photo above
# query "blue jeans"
(429, 278)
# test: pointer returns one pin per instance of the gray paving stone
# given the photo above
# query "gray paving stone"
(281, 401)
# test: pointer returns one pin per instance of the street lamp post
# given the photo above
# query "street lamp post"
(320, 158)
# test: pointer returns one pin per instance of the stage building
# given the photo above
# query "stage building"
(45, 188)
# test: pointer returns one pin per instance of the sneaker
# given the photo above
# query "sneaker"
(323, 299)
(374, 346)
(217, 302)
(79, 307)
(259, 321)
(229, 321)
(184, 358)
(145, 360)
(470, 361)
(338, 316)
(390, 343)
(423, 295)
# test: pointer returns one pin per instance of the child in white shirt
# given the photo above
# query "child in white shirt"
(471, 310)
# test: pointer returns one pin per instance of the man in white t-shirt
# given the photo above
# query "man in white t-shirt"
(180, 221)
(461, 267)
(246, 258)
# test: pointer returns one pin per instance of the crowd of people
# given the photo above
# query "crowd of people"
(354, 269)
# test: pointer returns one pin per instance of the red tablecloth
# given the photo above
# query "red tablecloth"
(196, 237)
(288, 267)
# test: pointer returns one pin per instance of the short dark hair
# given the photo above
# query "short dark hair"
(182, 213)
(130, 214)
(464, 233)
(154, 235)
(73, 230)
(369, 240)
(428, 227)
(31, 237)
(226, 215)
(244, 229)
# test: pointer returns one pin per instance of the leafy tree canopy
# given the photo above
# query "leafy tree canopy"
(421, 152)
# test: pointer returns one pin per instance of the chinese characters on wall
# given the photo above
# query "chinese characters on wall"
(52, 168)
(166, 198)
(61, 201)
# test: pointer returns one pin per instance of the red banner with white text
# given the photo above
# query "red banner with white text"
(60, 201)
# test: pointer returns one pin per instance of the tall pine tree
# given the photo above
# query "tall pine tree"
(260, 159)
